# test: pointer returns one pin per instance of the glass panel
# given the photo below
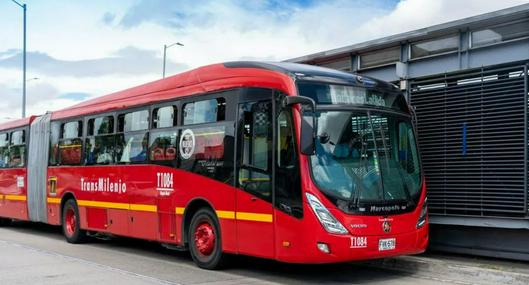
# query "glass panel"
(135, 121)
(71, 130)
(499, 34)
(257, 139)
(4, 157)
(164, 117)
(163, 147)
(435, 46)
(256, 182)
(55, 130)
(287, 180)
(286, 150)
(17, 137)
(100, 150)
(380, 57)
(70, 151)
(206, 111)
(255, 127)
(201, 150)
(362, 157)
(132, 148)
(4, 140)
(17, 156)
(4, 150)
(101, 125)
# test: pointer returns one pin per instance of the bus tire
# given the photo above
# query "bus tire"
(4, 222)
(71, 223)
(205, 243)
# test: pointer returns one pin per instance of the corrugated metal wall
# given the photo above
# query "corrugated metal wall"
(473, 137)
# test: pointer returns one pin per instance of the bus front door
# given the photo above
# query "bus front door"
(255, 228)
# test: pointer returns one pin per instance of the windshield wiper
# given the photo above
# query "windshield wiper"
(377, 162)
(355, 197)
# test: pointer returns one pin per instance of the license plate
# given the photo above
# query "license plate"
(386, 244)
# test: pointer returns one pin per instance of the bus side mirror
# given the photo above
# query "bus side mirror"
(308, 122)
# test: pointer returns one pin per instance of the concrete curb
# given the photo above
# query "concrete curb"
(457, 270)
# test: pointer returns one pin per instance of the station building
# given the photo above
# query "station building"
(468, 82)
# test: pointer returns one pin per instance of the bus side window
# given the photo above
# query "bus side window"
(55, 132)
(17, 149)
(288, 184)
(255, 146)
(163, 147)
(205, 111)
(100, 141)
(133, 138)
(163, 139)
(4, 150)
(70, 144)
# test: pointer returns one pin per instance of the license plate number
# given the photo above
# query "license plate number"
(386, 244)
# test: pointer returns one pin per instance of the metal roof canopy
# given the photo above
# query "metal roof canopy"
(492, 18)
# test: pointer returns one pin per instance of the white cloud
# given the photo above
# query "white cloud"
(415, 14)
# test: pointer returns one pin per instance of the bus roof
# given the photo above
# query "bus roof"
(203, 79)
(208, 78)
(17, 123)
(305, 71)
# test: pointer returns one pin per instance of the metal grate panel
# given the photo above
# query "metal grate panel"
(472, 134)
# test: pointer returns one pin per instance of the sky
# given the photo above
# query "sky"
(77, 50)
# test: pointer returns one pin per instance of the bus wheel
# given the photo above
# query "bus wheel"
(205, 243)
(5, 222)
(71, 223)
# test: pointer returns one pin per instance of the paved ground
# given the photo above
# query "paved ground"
(38, 254)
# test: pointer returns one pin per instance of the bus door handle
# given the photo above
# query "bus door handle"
(253, 198)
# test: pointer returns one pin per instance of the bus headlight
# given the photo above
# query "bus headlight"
(424, 214)
(327, 220)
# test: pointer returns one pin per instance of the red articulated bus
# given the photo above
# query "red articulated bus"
(284, 161)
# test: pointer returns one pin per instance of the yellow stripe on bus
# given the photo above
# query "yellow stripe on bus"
(245, 216)
(231, 215)
(226, 214)
(143, 208)
(110, 205)
(99, 204)
(15, 197)
(179, 210)
(54, 200)
(119, 206)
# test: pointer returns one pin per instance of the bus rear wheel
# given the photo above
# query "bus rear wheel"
(71, 223)
(205, 242)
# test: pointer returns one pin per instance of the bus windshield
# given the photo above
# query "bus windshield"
(366, 158)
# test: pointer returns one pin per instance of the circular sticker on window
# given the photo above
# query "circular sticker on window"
(187, 144)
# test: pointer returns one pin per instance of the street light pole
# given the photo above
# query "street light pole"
(165, 47)
(24, 7)
(164, 56)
